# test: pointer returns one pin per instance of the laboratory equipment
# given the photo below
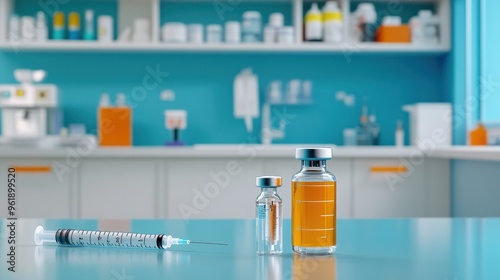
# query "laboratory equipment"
(195, 33)
(430, 122)
(365, 18)
(96, 238)
(399, 135)
(175, 120)
(478, 136)
(274, 94)
(246, 97)
(105, 28)
(174, 32)
(294, 91)
(269, 133)
(314, 214)
(286, 35)
(14, 28)
(251, 27)
(27, 108)
(89, 32)
(332, 23)
(214, 33)
(350, 137)
(28, 29)
(58, 26)
(42, 32)
(269, 216)
(74, 26)
(364, 135)
(374, 128)
(313, 24)
(141, 30)
(270, 34)
(430, 27)
(114, 123)
(233, 32)
(276, 20)
(393, 31)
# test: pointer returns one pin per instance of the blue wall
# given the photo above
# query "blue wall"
(203, 84)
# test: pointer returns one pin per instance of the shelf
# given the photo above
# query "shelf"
(83, 46)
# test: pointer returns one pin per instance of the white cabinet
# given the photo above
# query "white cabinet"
(211, 188)
(41, 190)
(391, 188)
(118, 189)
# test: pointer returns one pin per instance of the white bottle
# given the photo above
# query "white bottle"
(314, 24)
(333, 23)
(14, 28)
(42, 32)
(399, 135)
(104, 101)
(105, 27)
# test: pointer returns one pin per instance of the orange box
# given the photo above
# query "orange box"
(115, 126)
(394, 34)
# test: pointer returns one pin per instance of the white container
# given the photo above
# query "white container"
(233, 32)
(195, 33)
(214, 33)
(270, 34)
(42, 32)
(141, 30)
(28, 28)
(14, 28)
(276, 20)
(430, 27)
(314, 24)
(174, 32)
(430, 124)
(399, 135)
(286, 35)
(333, 23)
(105, 27)
(251, 27)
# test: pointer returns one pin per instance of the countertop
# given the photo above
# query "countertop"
(444, 248)
(249, 150)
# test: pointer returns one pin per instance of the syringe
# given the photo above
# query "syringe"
(96, 238)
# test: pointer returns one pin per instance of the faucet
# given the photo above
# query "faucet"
(268, 133)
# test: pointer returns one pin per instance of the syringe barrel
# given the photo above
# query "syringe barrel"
(44, 236)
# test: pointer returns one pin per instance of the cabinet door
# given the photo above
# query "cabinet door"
(118, 189)
(286, 168)
(388, 188)
(41, 191)
(211, 188)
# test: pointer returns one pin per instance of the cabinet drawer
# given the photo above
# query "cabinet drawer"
(388, 188)
(41, 190)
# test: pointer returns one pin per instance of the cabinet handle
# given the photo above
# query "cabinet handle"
(388, 168)
(33, 168)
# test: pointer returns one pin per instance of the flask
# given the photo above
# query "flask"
(269, 220)
(314, 203)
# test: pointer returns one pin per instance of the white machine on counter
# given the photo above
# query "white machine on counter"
(26, 107)
(29, 111)
(430, 122)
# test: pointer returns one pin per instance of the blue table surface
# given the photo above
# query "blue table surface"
(444, 249)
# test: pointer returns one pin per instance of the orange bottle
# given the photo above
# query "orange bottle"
(114, 123)
(479, 136)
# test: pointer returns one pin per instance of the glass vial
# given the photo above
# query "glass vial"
(314, 203)
(269, 221)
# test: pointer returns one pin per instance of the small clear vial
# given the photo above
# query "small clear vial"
(269, 221)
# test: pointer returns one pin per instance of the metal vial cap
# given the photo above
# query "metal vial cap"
(313, 153)
(268, 181)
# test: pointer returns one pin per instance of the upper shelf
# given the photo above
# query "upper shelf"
(86, 46)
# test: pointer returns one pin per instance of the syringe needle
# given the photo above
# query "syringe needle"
(207, 243)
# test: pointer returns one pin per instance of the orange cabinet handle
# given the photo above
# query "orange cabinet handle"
(388, 168)
(33, 168)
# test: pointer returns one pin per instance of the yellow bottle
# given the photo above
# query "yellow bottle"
(58, 26)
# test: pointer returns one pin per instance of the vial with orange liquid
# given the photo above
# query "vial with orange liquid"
(314, 194)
